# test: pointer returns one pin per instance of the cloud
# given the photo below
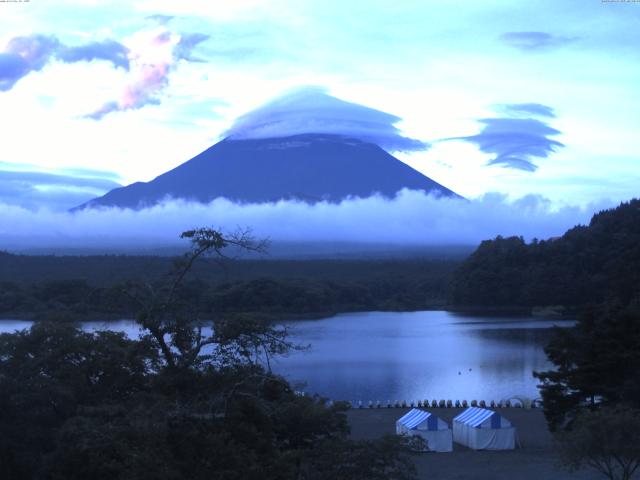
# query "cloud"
(108, 50)
(31, 53)
(411, 218)
(12, 68)
(89, 173)
(23, 55)
(56, 191)
(312, 110)
(154, 53)
(73, 172)
(517, 142)
(143, 90)
(187, 43)
(534, 41)
(36, 50)
(519, 109)
(160, 19)
(53, 179)
(148, 58)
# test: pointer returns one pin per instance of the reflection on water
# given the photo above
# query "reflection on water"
(407, 356)
(419, 355)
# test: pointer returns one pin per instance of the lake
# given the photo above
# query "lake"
(420, 355)
(382, 356)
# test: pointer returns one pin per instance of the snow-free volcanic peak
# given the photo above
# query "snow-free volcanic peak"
(305, 145)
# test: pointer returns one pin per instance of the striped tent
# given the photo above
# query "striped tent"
(435, 431)
(482, 429)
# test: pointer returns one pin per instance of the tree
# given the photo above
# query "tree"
(587, 265)
(386, 459)
(180, 402)
(597, 363)
(172, 325)
(607, 440)
(48, 374)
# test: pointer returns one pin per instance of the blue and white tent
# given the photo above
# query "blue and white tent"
(482, 429)
(435, 431)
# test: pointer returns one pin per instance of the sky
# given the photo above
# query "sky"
(521, 100)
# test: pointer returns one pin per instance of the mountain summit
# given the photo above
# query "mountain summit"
(307, 167)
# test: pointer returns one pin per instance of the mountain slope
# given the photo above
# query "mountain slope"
(309, 167)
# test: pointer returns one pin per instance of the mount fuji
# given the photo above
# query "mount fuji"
(306, 167)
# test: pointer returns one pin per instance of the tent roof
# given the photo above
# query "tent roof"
(414, 418)
(474, 416)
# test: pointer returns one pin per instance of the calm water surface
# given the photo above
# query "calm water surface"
(407, 356)
(419, 355)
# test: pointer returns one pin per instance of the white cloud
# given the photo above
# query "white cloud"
(412, 218)
(312, 110)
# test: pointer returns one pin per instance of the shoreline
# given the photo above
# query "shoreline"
(541, 311)
(277, 317)
(533, 312)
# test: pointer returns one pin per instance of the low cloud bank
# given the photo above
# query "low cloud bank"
(411, 219)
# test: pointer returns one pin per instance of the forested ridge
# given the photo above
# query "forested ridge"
(586, 266)
(93, 287)
(594, 379)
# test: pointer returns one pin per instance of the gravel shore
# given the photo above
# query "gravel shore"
(535, 460)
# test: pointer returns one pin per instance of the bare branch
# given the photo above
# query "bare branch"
(174, 328)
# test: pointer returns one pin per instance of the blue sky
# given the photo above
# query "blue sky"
(537, 97)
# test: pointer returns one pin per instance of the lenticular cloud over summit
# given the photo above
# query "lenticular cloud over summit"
(312, 110)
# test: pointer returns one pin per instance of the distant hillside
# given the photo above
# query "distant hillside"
(309, 167)
(87, 287)
(588, 264)
(104, 270)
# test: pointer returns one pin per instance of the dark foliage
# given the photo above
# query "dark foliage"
(587, 265)
(281, 289)
(361, 460)
(597, 364)
(77, 405)
(606, 440)
(178, 403)
(593, 270)
(47, 374)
